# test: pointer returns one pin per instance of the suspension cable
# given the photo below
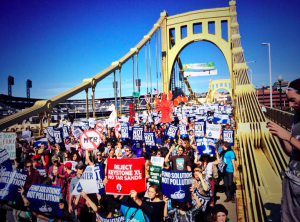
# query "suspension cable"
(133, 88)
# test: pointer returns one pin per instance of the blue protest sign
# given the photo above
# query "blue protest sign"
(58, 137)
(205, 145)
(130, 131)
(65, 131)
(224, 118)
(137, 134)
(200, 128)
(43, 140)
(182, 130)
(176, 184)
(203, 196)
(5, 163)
(10, 181)
(228, 136)
(171, 132)
(150, 140)
(42, 171)
(217, 117)
(44, 199)
(124, 131)
(110, 219)
(98, 169)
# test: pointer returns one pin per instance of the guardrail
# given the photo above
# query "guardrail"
(280, 117)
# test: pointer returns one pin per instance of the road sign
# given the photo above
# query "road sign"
(136, 94)
(90, 140)
(99, 127)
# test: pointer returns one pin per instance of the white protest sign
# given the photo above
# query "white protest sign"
(90, 140)
(99, 127)
(65, 131)
(9, 144)
(74, 164)
(213, 131)
(77, 132)
(26, 135)
(157, 161)
(87, 182)
(92, 122)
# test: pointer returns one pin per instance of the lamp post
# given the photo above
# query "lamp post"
(269, 47)
(280, 79)
(263, 91)
(251, 69)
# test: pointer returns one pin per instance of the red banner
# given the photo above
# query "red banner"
(124, 175)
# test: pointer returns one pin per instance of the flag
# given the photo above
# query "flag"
(156, 91)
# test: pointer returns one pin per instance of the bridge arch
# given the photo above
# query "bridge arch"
(215, 85)
(172, 31)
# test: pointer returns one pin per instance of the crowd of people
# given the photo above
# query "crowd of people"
(47, 163)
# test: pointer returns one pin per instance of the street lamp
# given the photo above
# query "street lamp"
(280, 79)
(269, 47)
(251, 69)
(263, 91)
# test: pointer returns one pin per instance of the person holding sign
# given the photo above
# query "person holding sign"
(159, 206)
(180, 211)
(180, 161)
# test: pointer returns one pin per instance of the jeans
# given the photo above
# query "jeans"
(228, 183)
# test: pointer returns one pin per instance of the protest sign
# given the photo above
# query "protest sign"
(157, 161)
(44, 199)
(200, 128)
(182, 130)
(74, 164)
(92, 122)
(205, 145)
(150, 140)
(10, 181)
(77, 132)
(99, 172)
(38, 143)
(124, 131)
(1, 140)
(228, 136)
(213, 131)
(110, 219)
(171, 132)
(204, 198)
(65, 131)
(154, 173)
(58, 137)
(217, 117)
(26, 135)
(224, 118)
(5, 163)
(176, 184)
(9, 144)
(90, 140)
(99, 127)
(124, 175)
(42, 171)
(50, 130)
(137, 134)
(87, 182)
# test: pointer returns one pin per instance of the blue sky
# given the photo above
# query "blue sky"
(57, 44)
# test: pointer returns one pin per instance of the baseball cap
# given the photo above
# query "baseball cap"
(68, 165)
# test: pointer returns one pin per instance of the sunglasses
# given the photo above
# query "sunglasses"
(29, 166)
(126, 150)
(98, 154)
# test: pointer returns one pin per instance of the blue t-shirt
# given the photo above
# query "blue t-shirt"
(227, 159)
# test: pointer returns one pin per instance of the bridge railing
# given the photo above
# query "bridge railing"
(282, 118)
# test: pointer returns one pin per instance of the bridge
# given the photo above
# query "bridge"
(260, 156)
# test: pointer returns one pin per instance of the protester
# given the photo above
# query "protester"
(128, 153)
(180, 161)
(218, 214)
(290, 203)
